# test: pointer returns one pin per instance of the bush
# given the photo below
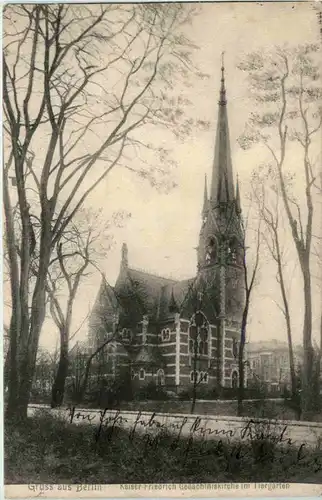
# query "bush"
(228, 393)
(201, 393)
(109, 393)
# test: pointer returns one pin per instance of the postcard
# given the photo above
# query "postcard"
(162, 244)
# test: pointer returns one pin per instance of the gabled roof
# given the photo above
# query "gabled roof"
(143, 288)
(148, 355)
(180, 290)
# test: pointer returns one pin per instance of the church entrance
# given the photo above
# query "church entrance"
(160, 378)
(234, 380)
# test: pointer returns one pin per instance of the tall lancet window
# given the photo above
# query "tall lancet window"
(199, 335)
(211, 250)
(233, 252)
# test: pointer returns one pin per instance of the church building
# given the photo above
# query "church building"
(180, 333)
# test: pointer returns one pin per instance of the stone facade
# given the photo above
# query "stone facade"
(175, 332)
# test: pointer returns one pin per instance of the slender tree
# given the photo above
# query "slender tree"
(285, 85)
(269, 207)
(84, 243)
(249, 275)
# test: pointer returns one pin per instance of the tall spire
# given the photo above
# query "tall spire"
(222, 100)
(205, 198)
(173, 308)
(124, 257)
(238, 204)
(222, 172)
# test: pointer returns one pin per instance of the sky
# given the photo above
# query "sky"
(163, 230)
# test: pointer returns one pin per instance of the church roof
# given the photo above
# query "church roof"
(148, 279)
(153, 294)
(222, 185)
(148, 355)
(179, 291)
(147, 289)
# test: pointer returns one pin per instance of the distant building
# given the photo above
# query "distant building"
(157, 317)
(269, 363)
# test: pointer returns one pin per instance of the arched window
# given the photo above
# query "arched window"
(233, 251)
(194, 376)
(234, 282)
(165, 334)
(203, 377)
(235, 348)
(211, 250)
(142, 374)
(126, 335)
(234, 380)
(198, 334)
(160, 377)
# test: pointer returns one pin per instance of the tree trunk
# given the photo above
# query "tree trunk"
(6, 370)
(286, 314)
(83, 385)
(25, 356)
(307, 379)
(58, 389)
(15, 322)
(13, 381)
(195, 382)
(241, 362)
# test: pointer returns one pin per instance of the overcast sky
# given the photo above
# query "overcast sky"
(163, 231)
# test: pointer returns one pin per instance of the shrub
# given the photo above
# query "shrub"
(151, 391)
(202, 393)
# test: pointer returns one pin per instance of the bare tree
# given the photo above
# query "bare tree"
(269, 206)
(201, 300)
(285, 84)
(249, 275)
(84, 243)
(57, 60)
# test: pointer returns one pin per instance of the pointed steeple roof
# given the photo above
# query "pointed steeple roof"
(222, 173)
(238, 204)
(173, 307)
(205, 198)
(124, 257)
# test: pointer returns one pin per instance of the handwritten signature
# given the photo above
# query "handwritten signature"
(261, 440)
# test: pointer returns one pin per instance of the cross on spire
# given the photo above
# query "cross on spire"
(222, 100)
(222, 185)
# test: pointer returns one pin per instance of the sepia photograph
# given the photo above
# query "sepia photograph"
(162, 249)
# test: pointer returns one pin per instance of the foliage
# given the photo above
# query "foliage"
(201, 393)
(151, 392)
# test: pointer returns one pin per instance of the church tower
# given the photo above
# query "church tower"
(162, 338)
(221, 245)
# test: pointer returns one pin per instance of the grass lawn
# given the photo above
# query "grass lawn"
(47, 450)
